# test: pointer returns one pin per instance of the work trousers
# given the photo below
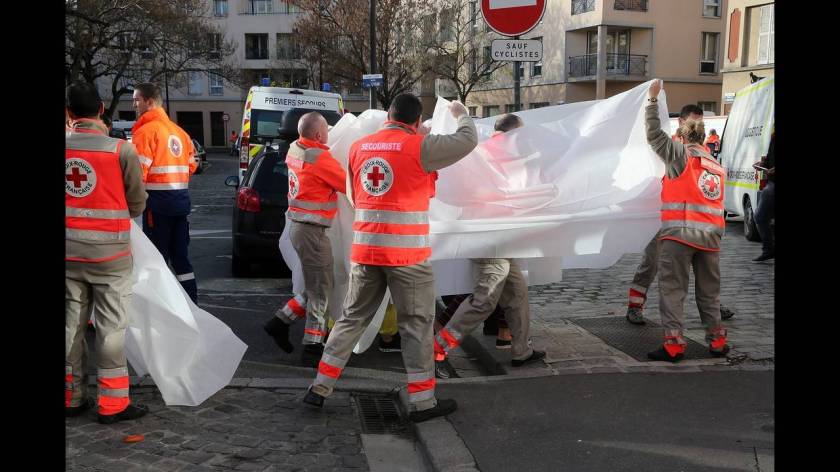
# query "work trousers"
(496, 281)
(765, 212)
(106, 287)
(645, 273)
(171, 237)
(313, 248)
(675, 262)
(413, 293)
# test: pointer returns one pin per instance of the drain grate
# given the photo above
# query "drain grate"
(635, 340)
(379, 414)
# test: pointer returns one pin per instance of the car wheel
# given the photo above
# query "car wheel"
(750, 230)
(240, 267)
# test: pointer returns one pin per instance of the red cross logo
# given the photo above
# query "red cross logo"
(292, 185)
(712, 184)
(76, 177)
(375, 176)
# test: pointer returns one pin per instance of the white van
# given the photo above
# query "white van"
(744, 141)
(264, 111)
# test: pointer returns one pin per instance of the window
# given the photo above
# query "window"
(215, 41)
(261, 7)
(289, 7)
(766, 34)
(256, 46)
(220, 8)
(708, 106)
(194, 83)
(521, 70)
(539, 105)
(708, 53)
(510, 108)
(490, 110)
(473, 110)
(711, 8)
(473, 15)
(287, 47)
(447, 18)
(473, 62)
(582, 6)
(216, 84)
(536, 67)
(488, 55)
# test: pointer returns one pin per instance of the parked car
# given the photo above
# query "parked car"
(122, 129)
(200, 156)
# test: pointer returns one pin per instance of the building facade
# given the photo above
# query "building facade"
(593, 49)
(750, 46)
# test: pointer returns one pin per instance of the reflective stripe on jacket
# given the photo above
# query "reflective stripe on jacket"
(391, 192)
(693, 202)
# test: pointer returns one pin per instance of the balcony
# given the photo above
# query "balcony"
(582, 6)
(617, 65)
(631, 5)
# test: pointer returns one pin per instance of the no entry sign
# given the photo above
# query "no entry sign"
(512, 17)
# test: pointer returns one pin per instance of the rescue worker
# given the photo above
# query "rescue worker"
(315, 178)
(497, 280)
(103, 190)
(712, 142)
(692, 225)
(393, 174)
(167, 158)
(646, 272)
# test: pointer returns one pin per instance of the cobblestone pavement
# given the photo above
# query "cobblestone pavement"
(248, 429)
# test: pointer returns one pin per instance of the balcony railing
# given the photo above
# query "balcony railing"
(617, 64)
(582, 6)
(632, 5)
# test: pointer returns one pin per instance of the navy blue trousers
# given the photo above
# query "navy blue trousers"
(171, 236)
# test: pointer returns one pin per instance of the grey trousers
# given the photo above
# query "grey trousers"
(413, 293)
(107, 287)
(675, 261)
(496, 281)
(313, 247)
(645, 273)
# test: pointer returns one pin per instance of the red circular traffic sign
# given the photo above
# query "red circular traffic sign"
(512, 17)
(225, 117)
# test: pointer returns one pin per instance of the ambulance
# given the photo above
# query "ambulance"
(744, 142)
(263, 115)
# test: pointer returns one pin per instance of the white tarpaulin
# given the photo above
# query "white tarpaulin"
(576, 187)
(189, 353)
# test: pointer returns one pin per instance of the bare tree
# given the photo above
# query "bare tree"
(456, 39)
(337, 33)
(120, 42)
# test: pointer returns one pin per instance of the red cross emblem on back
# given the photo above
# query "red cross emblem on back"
(712, 184)
(375, 176)
(76, 177)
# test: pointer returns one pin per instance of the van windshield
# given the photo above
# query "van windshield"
(265, 122)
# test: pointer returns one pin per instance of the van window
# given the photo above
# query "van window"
(265, 122)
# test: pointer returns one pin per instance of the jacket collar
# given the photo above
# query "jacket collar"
(399, 125)
(90, 125)
(155, 114)
(310, 143)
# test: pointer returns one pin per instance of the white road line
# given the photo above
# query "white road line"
(197, 232)
(202, 305)
(246, 294)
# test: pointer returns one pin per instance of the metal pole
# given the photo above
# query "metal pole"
(372, 50)
(516, 83)
(166, 74)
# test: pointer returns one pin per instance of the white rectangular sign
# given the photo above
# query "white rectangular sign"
(729, 97)
(498, 4)
(524, 50)
(371, 76)
(287, 101)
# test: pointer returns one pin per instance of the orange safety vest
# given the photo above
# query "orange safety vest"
(694, 200)
(312, 199)
(391, 191)
(168, 166)
(96, 209)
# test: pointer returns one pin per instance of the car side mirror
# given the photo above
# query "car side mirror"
(232, 181)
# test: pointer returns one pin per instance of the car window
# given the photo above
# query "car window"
(271, 174)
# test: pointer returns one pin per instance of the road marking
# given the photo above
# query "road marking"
(211, 237)
(197, 232)
(202, 305)
(247, 294)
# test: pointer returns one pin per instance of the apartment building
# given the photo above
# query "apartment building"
(750, 44)
(593, 49)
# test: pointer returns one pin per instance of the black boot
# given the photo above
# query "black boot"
(312, 398)
(279, 330)
(72, 411)
(443, 407)
(662, 355)
(535, 356)
(131, 412)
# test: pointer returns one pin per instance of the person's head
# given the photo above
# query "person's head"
(82, 101)
(313, 126)
(507, 122)
(712, 132)
(692, 131)
(146, 97)
(690, 111)
(405, 108)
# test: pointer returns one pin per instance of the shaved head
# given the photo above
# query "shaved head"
(313, 126)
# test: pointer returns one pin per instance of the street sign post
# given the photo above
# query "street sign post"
(513, 18)
(225, 117)
(371, 80)
(524, 50)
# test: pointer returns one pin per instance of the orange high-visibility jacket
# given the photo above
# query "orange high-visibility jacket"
(314, 178)
(166, 151)
(391, 191)
(694, 200)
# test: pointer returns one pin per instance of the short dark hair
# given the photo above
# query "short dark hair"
(406, 108)
(82, 99)
(149, 90)
(690, 109)
(507, 122)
